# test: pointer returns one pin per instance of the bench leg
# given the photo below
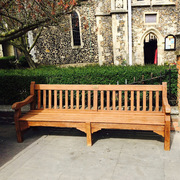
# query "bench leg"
(17, 114)
(167, 133)
(19, 136)
(18, 132)
(88, 134)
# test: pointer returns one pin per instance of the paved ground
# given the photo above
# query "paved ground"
(62, 154)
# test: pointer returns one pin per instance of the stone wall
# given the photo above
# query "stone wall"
(166, 24)
(103, 7)
(55, 44)
(104, 25)
(120, 38)
(112, 32)
(104, 32)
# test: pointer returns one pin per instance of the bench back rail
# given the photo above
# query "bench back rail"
(99, 97)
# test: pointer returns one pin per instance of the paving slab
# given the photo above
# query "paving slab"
(62, 154)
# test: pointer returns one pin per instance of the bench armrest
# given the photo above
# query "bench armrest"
(166, 106)
(20, 104)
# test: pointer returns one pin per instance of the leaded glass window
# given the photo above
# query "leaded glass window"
(75, 29)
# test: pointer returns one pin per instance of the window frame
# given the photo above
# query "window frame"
(141, 2)
(151, 13)
(72, 37)
(165, 40)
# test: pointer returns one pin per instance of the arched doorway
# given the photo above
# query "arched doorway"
(150, 49)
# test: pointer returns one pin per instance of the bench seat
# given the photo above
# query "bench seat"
(95, 116)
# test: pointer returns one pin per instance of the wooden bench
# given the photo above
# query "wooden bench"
(91, 108)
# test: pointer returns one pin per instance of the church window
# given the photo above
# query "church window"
(151, 18)
(75, 29)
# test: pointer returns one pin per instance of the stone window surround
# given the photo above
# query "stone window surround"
(152, 3)
(72, 41)
(147, 13)
(141, 3)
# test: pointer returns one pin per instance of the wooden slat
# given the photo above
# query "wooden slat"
(102, 100)
(50, 101)
(138, 100)
(132, 100)
(79, 125)
(98, 117)
(66, 99)
(89, 100)
(60, 99)
(114, 100)
(126, 126)
(144, 100)
(55, 99)
(99, 87)
(83, 100)
(54, 111)
(108, 100)
(120, 100)
(150, 101)
(77, 99)
(126, 100)
(95, 100)
(72, 99)
(32, 92)
(39, 99)
(32, 87)
(157, 100)
(44, 99)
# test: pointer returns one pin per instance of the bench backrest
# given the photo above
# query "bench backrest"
(99, 97)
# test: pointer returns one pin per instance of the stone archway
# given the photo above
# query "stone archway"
(160, 45)
(150, 49)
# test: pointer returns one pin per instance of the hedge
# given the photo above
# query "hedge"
(15, 83)
(7, 62)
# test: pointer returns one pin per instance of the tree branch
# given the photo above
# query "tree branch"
(10, 17)
(37, 37)
(15, 33)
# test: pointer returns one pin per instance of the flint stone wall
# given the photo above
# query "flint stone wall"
(167, 24)
(54, 45)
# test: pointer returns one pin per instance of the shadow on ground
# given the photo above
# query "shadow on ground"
(9, 146)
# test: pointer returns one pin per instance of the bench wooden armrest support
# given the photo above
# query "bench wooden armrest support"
(19, 105)
(167, 120)
(166, 106)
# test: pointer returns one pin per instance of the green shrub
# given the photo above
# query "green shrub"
(15, 83)
(23, 62)
(7, 62)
